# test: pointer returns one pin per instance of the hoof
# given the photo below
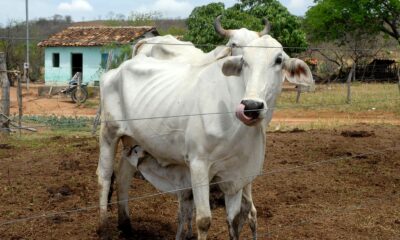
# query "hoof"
(103, 233)
(125, 227)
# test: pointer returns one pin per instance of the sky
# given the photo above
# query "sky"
(82, 10)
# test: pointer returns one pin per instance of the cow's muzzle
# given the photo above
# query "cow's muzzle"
(249, 111)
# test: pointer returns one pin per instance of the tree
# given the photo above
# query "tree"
(286, 28)
(353, 29)
(332, 19)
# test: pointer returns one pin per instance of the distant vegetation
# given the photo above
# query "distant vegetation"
(354, 31)
(335, 29)
(286, 28)
(12, 41)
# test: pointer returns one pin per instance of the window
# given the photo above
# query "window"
(104, 59)
(56, 60)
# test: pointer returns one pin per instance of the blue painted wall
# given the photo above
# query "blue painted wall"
(62, 75)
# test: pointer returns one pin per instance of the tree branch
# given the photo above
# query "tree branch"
(392, 24)
(329, 59)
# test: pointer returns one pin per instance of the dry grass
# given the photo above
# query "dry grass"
(365, 97)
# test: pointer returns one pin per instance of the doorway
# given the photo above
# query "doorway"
(76, 63)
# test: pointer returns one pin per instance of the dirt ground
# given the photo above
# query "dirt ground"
(59, 105)
(301, 195)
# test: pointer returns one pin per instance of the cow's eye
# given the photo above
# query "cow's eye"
(278, 60)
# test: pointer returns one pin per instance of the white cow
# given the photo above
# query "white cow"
(202, 147)
(168, 48)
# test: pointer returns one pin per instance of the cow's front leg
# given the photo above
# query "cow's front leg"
(247, 203)
(104, 172)
(125, 173)
(233, 204)
(200, 188)
(185, 215)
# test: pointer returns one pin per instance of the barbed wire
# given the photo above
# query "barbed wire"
(233, 112)
(262, 173)
(88, 119)
(213, 45)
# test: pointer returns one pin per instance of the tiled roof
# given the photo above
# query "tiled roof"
(96, 36)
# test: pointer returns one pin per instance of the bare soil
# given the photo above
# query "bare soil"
(60, 105)
(301, 196)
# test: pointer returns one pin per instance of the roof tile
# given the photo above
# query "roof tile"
(95, 36)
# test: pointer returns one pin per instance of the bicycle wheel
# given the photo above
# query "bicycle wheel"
(79, 95)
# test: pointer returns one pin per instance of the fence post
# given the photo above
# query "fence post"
(298, 94)
(348, 101)
(5, 97)
(398, 77)
(19, 96)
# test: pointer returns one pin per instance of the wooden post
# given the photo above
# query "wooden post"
(5, 97)
(109, 60)
(398, 76)
(78, 87)
(349, 84)
(298, 94)
(19, 96)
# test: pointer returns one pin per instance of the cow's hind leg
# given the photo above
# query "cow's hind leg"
(233, 204)
(108, 145)
(185, 215)
(124, 177)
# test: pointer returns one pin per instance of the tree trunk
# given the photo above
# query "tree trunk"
(349, 84)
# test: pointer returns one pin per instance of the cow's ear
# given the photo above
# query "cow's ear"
(297, 72)
(222, 52)
(233, 66)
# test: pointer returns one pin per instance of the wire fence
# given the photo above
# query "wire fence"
(251, 176)
(303, 48)
(82, 122)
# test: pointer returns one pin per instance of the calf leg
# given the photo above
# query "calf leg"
(200, 188)
(124, 178)
(233, 207)
(185, 215)
(165, 179)
(104, 172)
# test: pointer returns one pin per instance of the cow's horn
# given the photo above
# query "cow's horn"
(267, 27)
(219, 29)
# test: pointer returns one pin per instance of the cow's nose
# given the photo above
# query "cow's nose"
(252, 108)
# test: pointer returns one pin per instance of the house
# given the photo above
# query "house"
(85, 49)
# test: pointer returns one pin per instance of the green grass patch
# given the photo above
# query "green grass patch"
(60, 123)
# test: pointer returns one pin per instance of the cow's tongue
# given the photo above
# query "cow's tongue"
(241, 116)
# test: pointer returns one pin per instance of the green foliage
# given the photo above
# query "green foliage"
(336, 19)
(120, 53)
(60, 122)
(249, 14)
(174, 31)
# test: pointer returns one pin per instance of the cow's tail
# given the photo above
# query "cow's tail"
(96, 121)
